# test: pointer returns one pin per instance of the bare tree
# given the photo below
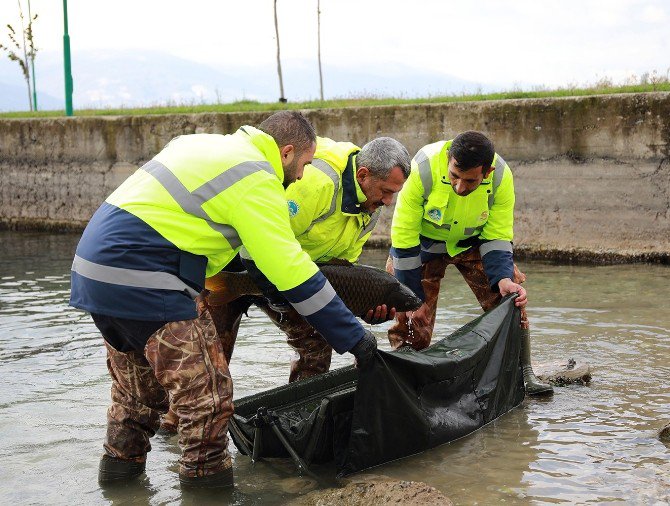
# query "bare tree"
(281, 80)
(318, 24)
(29, 34)
(24, 52)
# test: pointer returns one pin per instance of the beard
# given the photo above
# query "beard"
(290, 173)
(371, 207)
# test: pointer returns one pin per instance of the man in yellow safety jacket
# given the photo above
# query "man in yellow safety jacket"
(143, 259)
(457, 207)
(333, 210)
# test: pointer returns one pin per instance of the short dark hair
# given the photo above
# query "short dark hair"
(472, 149)
(290, 127)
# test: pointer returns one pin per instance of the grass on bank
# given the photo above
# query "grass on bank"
(602, 88)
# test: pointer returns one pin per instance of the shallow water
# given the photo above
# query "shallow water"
(593, 443)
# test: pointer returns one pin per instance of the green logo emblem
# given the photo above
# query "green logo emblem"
(293, 208)
(435, 214)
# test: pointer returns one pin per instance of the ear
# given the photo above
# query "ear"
(287, 153)
(488, 171)
(362, 173)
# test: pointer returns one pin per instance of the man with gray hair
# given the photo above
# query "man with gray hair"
(333, 210)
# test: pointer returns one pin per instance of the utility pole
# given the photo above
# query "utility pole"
(67, 64)
(32, 60)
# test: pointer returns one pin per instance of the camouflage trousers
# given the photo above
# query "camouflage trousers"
(313, 353)
(182, 366)
(469, 264)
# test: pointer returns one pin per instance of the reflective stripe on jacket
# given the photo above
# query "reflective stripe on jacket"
(183, 216)
(324, 205)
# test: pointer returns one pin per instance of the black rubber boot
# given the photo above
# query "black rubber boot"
(223, 479)
(533, 385)
(113, 470)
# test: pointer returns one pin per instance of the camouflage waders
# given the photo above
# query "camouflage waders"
(183, 365)
(469, 264)
(312, 350)
(313, 353)
(226, 319)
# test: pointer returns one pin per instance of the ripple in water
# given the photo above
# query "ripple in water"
(586, 444)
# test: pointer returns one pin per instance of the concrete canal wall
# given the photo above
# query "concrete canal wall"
(592, 173)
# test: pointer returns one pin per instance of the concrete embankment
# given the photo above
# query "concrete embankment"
(592, 173)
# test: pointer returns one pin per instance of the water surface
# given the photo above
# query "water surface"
(593, 443)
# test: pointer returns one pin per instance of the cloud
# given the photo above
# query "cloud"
(547, 42)
(654, 14)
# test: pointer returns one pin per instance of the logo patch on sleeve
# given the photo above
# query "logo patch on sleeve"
(435, 214)
(293, 208)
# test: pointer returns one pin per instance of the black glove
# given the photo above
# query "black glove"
(365, 350)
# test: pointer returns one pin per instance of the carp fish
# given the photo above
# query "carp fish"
(361, 288)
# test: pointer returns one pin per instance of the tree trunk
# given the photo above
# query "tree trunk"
(281, 80)
(25, 56)
(31, 41)
(318, 24)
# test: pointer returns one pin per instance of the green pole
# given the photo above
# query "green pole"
(67, 64)
(32, 60)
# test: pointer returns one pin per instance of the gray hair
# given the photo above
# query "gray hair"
(381, 155)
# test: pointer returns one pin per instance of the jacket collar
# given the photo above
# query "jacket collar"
(352, 195)
(267, 145)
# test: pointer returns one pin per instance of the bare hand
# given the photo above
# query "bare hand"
(507, 286)
(379, 315)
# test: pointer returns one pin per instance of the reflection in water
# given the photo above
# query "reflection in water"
(586, 444)
(494, 459)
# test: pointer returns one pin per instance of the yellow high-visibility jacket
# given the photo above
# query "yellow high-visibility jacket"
(430, 218)
(183, 216)
(324, 205)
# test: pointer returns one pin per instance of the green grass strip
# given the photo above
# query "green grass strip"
(253, 106)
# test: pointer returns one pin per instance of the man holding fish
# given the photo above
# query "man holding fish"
(143, 259)
(333, 210)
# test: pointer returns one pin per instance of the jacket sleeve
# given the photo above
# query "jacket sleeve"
(405, 232)
(261, 220)
(498, 233)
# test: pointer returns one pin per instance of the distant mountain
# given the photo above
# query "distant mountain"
(15, 98)
(129, 79)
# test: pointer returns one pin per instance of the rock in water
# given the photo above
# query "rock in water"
(371, 492)
(664, 434)
(563, 372)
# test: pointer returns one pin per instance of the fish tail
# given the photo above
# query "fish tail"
(225, 287)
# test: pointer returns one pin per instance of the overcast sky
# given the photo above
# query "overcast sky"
(554, 43)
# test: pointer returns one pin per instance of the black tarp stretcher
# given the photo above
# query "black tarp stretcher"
(405, 403)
